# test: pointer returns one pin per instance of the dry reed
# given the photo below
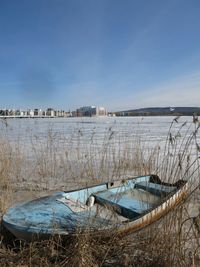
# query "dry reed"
(59, 162)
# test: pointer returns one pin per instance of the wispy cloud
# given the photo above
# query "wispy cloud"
(182, 91)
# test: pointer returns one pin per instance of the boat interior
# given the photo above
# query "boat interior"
(129, 199)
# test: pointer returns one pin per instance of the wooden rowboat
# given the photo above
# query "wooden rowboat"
(131, 204)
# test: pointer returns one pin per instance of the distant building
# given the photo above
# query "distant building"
(61, 113)
(23, 113)
(36, 112)
(30, 112)
(101, 111)
(18, 112)
(50, 112)
(74, 113)
(86, 111)
(91, 111)
(2, 112)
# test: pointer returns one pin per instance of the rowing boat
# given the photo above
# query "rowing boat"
(130, 204)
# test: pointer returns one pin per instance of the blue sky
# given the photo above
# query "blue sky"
(116, 53)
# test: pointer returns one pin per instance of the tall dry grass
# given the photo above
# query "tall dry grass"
(58, 162)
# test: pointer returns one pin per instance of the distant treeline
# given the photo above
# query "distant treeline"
(166, 111)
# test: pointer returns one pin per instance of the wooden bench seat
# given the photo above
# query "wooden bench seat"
(156, 189)
(122, 204)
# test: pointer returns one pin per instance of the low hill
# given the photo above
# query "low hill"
(161, 111)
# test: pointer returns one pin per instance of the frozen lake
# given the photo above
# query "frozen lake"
(152, 129)
(90, 135)
(49, 151)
